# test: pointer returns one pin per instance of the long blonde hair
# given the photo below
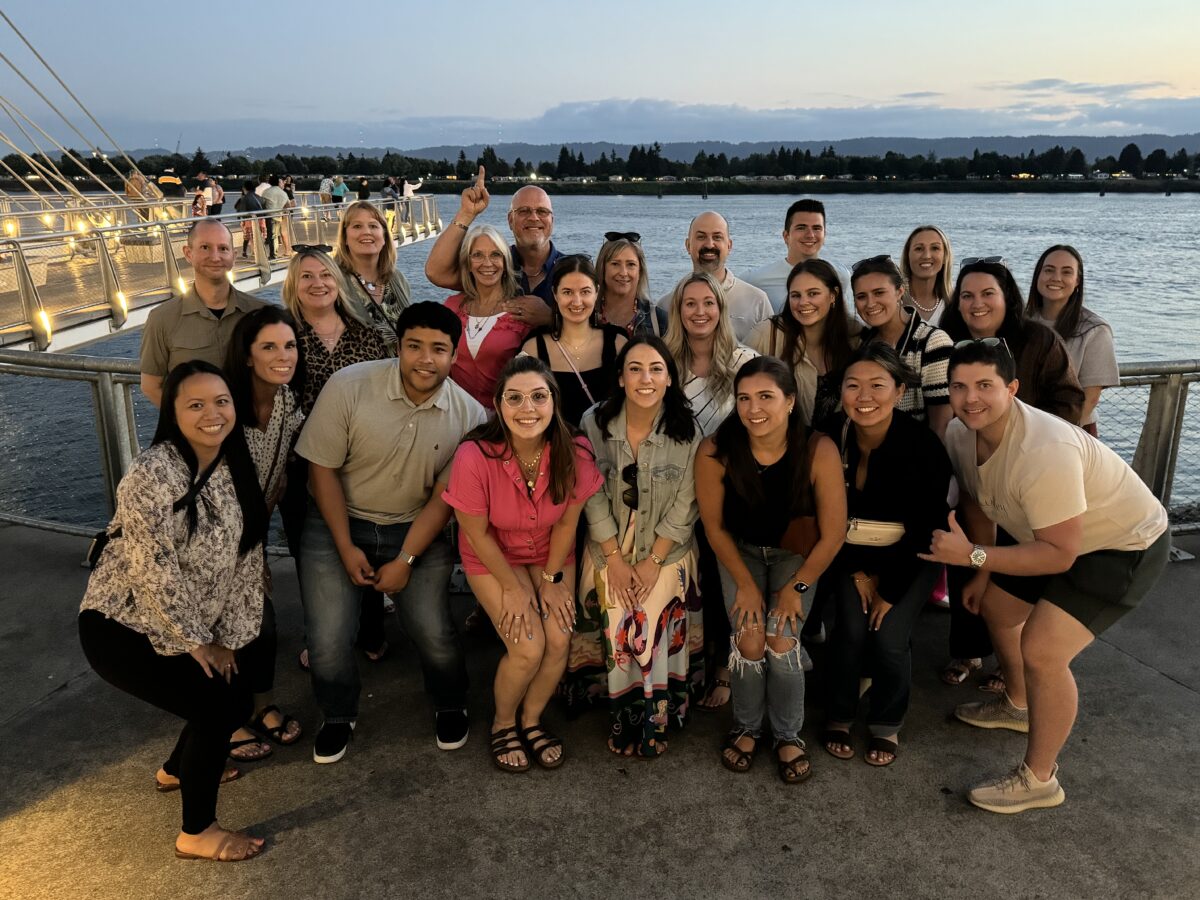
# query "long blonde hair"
(720, 367)
(387, 256)
(508, 282)
(943, 284)
(291, 285)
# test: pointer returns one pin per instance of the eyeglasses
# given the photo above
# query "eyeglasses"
(632, 236)
(987, 342)
(515, 399)
(311, 248)
(882, 257)
(629, 496)
(478, 256)
(995, 260)
(525, 212)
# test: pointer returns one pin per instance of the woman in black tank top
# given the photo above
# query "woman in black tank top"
(774, 509)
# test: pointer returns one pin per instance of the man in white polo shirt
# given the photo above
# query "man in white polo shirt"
(379, 443)
(708, 244)
(1091, 540)
(804, 237)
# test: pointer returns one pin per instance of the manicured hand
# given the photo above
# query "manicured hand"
(518, 606)
(558, 604)
(215, 660)
(789, 607)
(622, 582)
(748, 607)
(647, 572)
(879, 609)
(865, 585)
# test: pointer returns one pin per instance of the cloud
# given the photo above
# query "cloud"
(1045, 87)
(920, 95)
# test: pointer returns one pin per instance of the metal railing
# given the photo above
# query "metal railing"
(62, 289)
(1147, 420)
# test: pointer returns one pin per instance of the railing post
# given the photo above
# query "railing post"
(112, 460)
(1158, 446)
(170, 266)
(112, 289)
(260, 252)
(31, 303)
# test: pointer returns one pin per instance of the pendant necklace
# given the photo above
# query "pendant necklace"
(530, 469)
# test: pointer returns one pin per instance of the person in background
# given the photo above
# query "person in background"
(408, 191)
(804, 236)
(218, 196)
(275, 201)
(199, 205)
(178, 589)
(761, 472)
(364, 189)
(927, 264)
(339, 190)
(624, 298)
(249, 202)
(518, 486)
(377, 291)
(709, 243)
(1056, 300)
(325, 190)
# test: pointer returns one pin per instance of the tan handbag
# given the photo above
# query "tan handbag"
(866, 532)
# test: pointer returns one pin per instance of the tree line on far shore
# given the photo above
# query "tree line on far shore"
(647, 162)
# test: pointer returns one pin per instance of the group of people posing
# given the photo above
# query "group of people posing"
(656, 504)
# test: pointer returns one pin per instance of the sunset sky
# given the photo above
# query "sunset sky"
(411, 75)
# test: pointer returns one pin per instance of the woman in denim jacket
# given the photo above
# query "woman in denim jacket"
(640, 626)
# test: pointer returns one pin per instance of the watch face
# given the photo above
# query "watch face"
(800, 587)
(978, 557)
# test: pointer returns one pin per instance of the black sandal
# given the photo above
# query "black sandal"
(837, 736)
(249, 757)
(538, 740)
(744, 758)
(881, 745)
(504, 742)
(278, 734)
(796, 770)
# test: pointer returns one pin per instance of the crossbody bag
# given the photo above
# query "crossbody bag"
(866, 532)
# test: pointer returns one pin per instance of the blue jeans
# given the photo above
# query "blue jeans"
(331, 614)
(774, 685)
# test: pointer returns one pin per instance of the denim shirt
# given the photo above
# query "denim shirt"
(666, 487)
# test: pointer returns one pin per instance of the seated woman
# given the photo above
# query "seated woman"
(263, 360)
(640, 610)
(376, 291)
(625, 286)
(814, 336)
(579, 351)
(491, 334)
(897, 475)
(517, 487)
(927, 264)
(761, 472)
(1056, 300)
(878, 296)
(179, 588)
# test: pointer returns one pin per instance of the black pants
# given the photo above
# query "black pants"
(212, 709)
(256, 661)
(716, 619)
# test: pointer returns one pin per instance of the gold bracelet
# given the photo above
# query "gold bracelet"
(656, 559)
(459, 224)
(612, 552)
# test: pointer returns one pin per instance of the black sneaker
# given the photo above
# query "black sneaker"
(452, 728)
(332, 741)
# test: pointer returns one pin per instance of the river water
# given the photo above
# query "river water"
(1141, 256)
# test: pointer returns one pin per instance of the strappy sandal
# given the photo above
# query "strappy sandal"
(832, 736)
(743, 759)
(538, 740)
(168, 787)
(248, 755)
(993, 683)
(959, 670)
(713, 707)
(881, 745)
(797, 769)
(504, 742)
(279, 734)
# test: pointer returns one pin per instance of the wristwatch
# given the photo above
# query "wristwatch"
(407, 558)
(556, 578)
(656, 559)
(800, 587)
(978, 557)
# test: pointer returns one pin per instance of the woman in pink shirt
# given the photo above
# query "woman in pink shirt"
(517, 487)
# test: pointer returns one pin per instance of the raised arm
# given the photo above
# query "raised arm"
(441, 268)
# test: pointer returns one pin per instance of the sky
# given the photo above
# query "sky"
(410, 75)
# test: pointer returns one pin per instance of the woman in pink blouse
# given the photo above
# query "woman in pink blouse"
(491, 334)
(517, 487)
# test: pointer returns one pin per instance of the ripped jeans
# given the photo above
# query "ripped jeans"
(773, 685)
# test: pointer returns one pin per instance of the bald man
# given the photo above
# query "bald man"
(531, 220)
(708, 244)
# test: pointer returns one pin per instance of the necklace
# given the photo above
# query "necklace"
(369, 286)
(330, 338)
(530, 469)
(577, 350)
(927, 310)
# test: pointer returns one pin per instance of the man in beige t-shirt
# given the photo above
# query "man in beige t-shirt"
(1087, 540)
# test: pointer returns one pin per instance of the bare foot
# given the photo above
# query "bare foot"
(218, 844)
(171, 783)
(718, 695)
(882, 757)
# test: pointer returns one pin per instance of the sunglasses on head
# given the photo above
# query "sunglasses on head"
(987, 342)
(311, 248)
(882, 257)
(632, 236)
(996, 260)
(629, 496)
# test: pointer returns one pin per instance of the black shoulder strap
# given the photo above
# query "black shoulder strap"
(194, 491)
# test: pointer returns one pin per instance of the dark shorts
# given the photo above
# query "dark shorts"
(1099, 588)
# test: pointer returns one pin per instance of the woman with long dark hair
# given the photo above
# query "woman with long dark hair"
(774, 507)
(517, 486)
(1056, 300)
(178, 589)
(639, 624)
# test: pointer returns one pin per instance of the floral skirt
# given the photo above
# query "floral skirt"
(647, 661)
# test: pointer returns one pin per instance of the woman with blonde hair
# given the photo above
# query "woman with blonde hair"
(927, 265)
(624, 294)
(377, 291)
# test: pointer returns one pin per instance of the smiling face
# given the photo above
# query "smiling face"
(210, 251)
(699, 311)
(621, 273)
(316, 286)
(645, 377)
(274, 354)
(979, 396)
(877, 299)
(486, 261)
(762, 405)
(869, 394)
(531, 218)
(809, 298)
(425, 358)
(804, 236)
(1059, 276)
(535, 410)
(926, 254)
(204, 412)
(364, 234)
(708, 243)
(981, 304)
(576, 297)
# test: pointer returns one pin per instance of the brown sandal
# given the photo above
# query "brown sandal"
(744, 759)
(538, 740)
(504, 742)
(795, 770)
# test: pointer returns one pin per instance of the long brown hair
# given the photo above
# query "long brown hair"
(836, 337)
(495, 441)
(1067, 322)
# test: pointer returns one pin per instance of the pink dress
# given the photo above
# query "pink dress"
(481, 485)
(476, 373)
